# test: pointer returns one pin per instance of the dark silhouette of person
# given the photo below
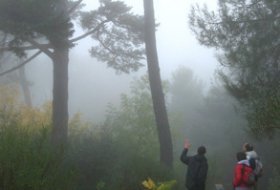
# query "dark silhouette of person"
(197, 167)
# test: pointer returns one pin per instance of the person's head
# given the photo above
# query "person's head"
(201, 150)
(248, 147)
(241, 156)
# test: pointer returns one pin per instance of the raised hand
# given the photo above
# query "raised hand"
(187, 143)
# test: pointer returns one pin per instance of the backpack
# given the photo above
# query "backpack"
(248, 175)
(257, 166)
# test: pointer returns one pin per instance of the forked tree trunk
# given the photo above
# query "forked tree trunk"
(60, 96)
(163, 129)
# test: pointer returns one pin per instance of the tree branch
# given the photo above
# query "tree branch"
(90, 32)
(41, 47)
(3, 41)
(45, 47)
(72, 9)
(106, 47)
(22, 64)
(244, 21)
(32, 47)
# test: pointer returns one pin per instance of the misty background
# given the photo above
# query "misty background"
(92, 85)
(117, 120)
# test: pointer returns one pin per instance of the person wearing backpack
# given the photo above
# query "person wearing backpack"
(197, 167)
(254, 161)
(244, 178)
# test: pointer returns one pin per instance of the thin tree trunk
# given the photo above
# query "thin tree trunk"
(60, 96)
(164, 135)
(25, 87)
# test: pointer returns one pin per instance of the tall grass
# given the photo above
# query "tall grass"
(27, 161)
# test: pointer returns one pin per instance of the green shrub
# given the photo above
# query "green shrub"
(27, 161)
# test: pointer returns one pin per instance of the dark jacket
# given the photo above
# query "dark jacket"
(197, 170)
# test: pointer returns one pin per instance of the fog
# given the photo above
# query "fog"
(119, 109)
(92, 85)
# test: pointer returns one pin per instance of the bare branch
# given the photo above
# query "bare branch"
(22, 64)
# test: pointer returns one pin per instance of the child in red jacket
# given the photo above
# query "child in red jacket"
(242, 172)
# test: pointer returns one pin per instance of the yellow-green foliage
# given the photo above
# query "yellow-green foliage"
(12, 110)
(31, 118)
(149, 184)
(27, 160)
(78, 127)
(8, 104)
(35, 117)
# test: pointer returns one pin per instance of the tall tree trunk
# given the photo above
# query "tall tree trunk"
(60, 60)
(164, 135)
(25, 87)
(60, 95)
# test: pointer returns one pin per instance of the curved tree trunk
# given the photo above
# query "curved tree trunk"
(164, 135)
(60, 95)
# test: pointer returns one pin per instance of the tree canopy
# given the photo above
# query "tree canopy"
(246, 35)
(120, 39)
(47, 25)
(25, 20)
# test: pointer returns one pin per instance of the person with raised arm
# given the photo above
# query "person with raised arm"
(197, 167)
